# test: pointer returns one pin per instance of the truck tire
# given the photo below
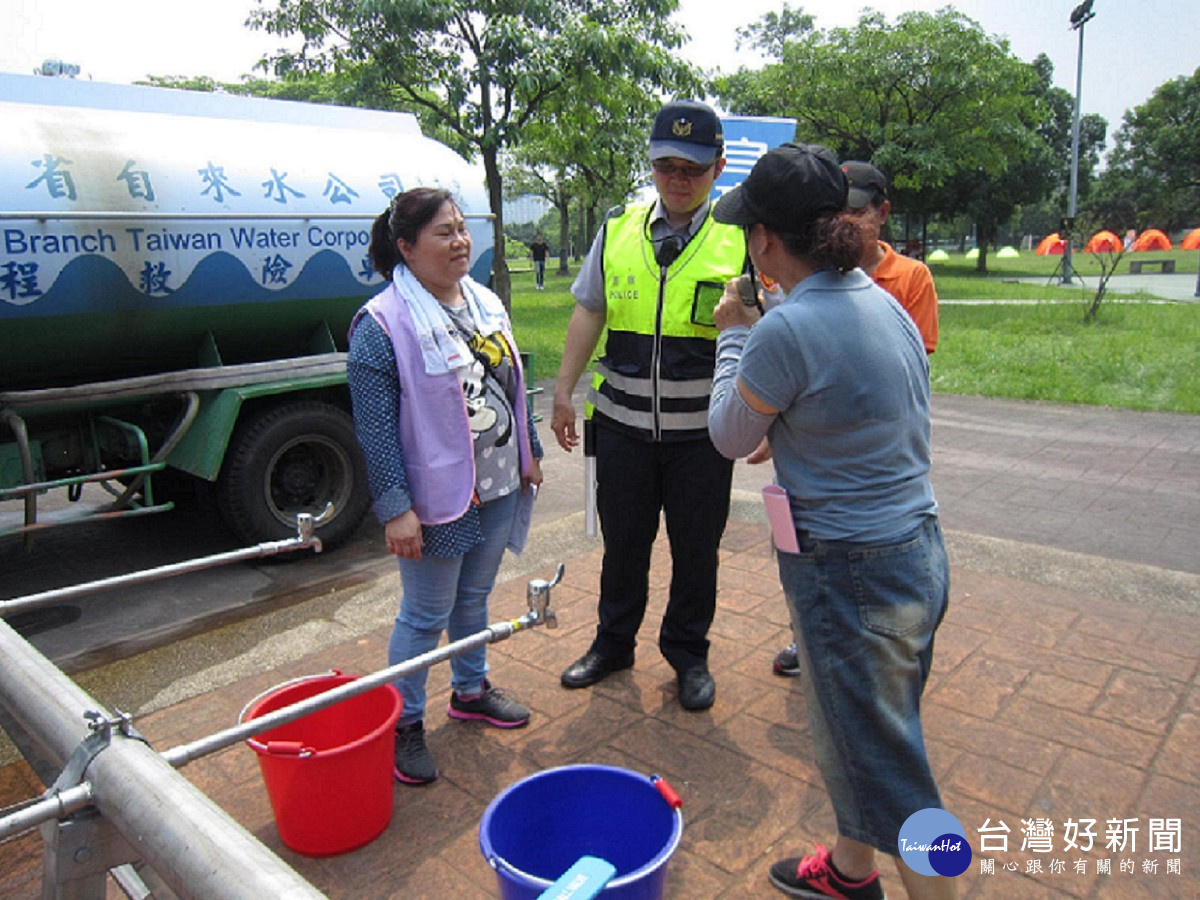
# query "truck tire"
(288, 459)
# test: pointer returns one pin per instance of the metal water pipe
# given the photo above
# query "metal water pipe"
(161, 817)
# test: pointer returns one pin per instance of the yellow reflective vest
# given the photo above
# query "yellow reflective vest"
(655, 376)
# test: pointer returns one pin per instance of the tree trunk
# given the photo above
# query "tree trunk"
(985, 232)
(591, 228)
(564, 230)
(583, 241)
(501, 282)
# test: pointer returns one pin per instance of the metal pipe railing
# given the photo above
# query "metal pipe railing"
(193, 844)
(305, 538)
(189, 841)
(57, 806)
(500, 631)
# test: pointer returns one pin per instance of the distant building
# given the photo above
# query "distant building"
(528, 209)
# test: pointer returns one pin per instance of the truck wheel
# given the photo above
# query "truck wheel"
(291, 459)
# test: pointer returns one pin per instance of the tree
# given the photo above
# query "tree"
(922, 97)
(552, 185)
(1043, 214)
(480, 70)
(604, 162)
(1055, 131)
(770, 33)
(317, 87)
(599, 163)
(1042, 172)
(1152, 178)
(946, 111)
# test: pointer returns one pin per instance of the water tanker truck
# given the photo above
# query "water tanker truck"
(177, 274)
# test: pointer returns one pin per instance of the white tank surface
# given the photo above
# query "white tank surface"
(199, 201)
(178, 271)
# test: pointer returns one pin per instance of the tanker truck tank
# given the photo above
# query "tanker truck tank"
(177, 275)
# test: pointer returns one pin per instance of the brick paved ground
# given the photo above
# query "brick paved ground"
(1044, 703)
(1064, 682)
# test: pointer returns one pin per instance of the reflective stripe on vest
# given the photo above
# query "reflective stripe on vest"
(656, 372)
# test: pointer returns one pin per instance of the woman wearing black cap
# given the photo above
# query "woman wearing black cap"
(837, 378)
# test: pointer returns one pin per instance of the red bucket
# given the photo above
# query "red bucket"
(329, 774)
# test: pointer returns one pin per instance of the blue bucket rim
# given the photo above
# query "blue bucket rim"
(660, 859)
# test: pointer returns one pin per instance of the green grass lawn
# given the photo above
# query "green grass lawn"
(1135, 356)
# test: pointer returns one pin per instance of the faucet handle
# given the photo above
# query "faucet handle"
(307, 524)
(538, 597)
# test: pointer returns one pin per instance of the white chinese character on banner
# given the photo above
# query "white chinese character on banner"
(742, 154)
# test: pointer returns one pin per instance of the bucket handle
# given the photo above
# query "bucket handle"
(668, 793)
(288, 748)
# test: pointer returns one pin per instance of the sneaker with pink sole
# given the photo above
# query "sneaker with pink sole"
(492, 706)
(814, 876)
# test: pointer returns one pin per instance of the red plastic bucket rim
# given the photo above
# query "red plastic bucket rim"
(296, 749)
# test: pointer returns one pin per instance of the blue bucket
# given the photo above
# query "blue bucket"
(537, 828)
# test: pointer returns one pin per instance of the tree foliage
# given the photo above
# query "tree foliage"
(955, 120)
(1153, 176)
(481, 70)
(923, 97)
(602, 160)
(773, 31)
(1043, 214)
(1039, 174)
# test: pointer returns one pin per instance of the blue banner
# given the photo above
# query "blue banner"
(747, 138)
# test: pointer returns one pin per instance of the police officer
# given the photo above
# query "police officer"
(653, 276)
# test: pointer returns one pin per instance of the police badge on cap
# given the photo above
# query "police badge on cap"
(687, 129)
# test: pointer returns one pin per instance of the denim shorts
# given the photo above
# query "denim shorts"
(864, 617)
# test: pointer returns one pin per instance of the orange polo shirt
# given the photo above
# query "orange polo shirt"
(910, 282)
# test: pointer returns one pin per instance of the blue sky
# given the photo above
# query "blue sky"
(1130, 48)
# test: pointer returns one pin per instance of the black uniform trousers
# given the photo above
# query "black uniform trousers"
(688, 482)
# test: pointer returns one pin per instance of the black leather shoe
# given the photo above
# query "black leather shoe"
(696, 688)
(592, 667)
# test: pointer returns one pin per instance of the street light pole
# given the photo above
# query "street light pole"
(1080, 16)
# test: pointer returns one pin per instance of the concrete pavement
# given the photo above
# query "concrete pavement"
(1181, 287)
(1064, 683)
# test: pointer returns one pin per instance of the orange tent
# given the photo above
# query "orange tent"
(1191, 241)
(1103, 242)
(1151, 239)
(1051, 244)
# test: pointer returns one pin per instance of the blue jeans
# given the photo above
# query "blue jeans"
(865, 617)
(449, 594)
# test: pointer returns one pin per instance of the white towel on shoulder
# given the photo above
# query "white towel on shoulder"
(442, 347)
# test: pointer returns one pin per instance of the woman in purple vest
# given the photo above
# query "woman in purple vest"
(452, 455)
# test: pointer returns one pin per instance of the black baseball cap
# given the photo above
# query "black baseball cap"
(789, 186)
(687, 129)
(866, 182)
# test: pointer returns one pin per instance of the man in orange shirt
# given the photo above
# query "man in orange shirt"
(908, 280)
